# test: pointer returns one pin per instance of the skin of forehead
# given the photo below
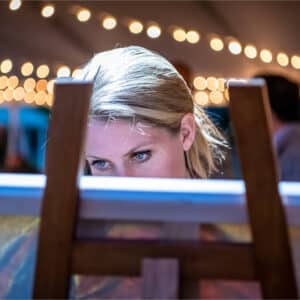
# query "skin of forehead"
(142, 132)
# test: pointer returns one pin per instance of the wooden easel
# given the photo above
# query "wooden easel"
(267, 259)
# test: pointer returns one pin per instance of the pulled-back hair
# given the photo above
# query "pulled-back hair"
(136, 83)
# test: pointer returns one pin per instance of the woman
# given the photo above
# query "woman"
(143, 121)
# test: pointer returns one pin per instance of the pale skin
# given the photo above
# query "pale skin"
(119, 148)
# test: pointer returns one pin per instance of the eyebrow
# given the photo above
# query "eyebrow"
(126, 154)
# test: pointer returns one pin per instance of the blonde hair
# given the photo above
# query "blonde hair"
(133, 82)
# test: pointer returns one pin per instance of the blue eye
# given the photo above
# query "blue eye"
(101, 164)
(141, 156)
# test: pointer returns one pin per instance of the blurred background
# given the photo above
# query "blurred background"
(208, 42)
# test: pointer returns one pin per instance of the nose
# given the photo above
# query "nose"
(124, 171)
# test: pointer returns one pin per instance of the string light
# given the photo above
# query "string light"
(49, 99)
(76, 73)
(12, 82)
(19, 93)
(216, 44)
(42, 71)
(234, 47)
(3, 82)
(199, 83)
(27, 69)
(266, 56)
(135, 27)
(295, 61)
(6, 66)
(83, 15)
(193, 36)
(109, 23)
(216, 97)
(29, 84)
(41, 85)
(40, 98)
(29, 97)
(250, 51)
(179, 35)
(15, 4)
(201, 98)
(48, 11)
(282, 59)
(63, 71)
(8, 95)
(212, 83)
(153, 31)
(50, 86)
(221, 84)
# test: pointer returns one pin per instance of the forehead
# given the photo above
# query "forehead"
(119, 134)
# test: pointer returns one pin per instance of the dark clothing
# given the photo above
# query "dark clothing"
(287, 146)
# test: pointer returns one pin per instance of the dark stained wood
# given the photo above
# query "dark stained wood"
(209, 260)
(268, 259)
(58, 216)
(160, 278)
(251, 116)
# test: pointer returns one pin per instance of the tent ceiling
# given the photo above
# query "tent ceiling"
(25, 35)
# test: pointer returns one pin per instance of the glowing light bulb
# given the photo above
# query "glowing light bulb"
(76, 73)
(216, 44)
(200, 83)
(29, 97)
(212, 83)
(12, 82)
(179, 35)
(27, 69)
(50, 86)
(42, 71)
(49, 100)
(40, 98)
(6, 66)
(19, 93)
(48, 11)
(250, 51)
(266, 55)
(201, 98)
(29, 84)
(154, 31)
(83, 15)
(3, 82)
(192, 36)
(15, 4)
(234, 47)
(221, 84)
(135, 27)
(216, 97)
(41, 85)
(8, 94)
(109, 23)
(282, 59)
(295, 61)
(63, 71)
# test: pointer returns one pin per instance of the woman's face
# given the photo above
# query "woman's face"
(119, 148)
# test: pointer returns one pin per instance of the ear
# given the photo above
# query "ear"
(187, 131)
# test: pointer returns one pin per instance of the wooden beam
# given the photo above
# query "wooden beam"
(58, 216)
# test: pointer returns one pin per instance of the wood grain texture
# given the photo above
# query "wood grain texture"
(208, 260)
(251, 116)
(58, 216)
